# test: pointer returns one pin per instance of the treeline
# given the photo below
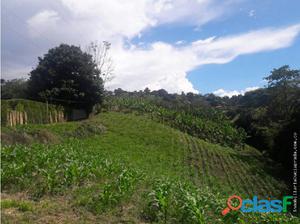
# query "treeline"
(271, 115)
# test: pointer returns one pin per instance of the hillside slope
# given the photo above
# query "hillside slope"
(105, 175)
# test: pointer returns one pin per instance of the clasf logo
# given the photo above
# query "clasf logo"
(255, 205)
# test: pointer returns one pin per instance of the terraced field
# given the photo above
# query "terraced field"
(123, 168)
(229, 171)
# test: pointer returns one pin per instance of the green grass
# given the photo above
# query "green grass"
(136, 170)
(21, 205)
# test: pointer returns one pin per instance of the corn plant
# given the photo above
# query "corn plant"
(159, 201)
(191, 208)
(115, 191)
(53, 167)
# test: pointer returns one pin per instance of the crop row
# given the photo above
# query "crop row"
(175, 202)
(52, 167)
(225, 171)
(208, 125)
(100, 197)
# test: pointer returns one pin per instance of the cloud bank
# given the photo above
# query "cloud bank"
(163, 65)
(230, 93)
(154, 65)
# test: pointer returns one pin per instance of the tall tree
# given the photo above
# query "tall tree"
(101, 57)
(67, 76)
(284, 86)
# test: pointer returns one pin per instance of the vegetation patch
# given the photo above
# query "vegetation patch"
(36, 112)
(22, 206)
(103, 177)
(100, 198)
(29, 135)
(44, 136)
(178, 202)
(207, 124)
(51, 167)
(87, 129)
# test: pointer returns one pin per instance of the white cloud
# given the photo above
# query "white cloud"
(230, 93)
(251, 13)
(154, 65)
(44, 21)
(166, 66)
(179, 42)
(126, 18)
(160, 66)
(190, 11)
(249, 89)
(225, 49)
(129, 18)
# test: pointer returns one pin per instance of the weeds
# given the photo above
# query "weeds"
(87, 129)
(22, 206)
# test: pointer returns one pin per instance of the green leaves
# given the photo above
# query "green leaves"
(207, 124)
(181, 202)
(115, 191)
(176, 202)
(52, 167)
(159, 201)
(68, 77)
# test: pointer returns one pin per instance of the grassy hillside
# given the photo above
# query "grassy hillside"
(124, 168)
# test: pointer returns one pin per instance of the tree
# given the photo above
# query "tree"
(271, 115)
(283, 76)
(283, 84)
(67, 76)
(13, 89)
(101, 57)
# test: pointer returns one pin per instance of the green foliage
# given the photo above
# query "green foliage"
(270, 115)
(87, 129)
(113, 192)
(159, 202)
(207, 124)
(108, 173)
(67, 76)
(177, 202)
(283, 76)
(20, 205)
(14, 89)
(183, 203)
(37, 113)
(52, 167)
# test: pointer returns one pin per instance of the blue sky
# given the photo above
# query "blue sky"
(220, 46)
(246, 70)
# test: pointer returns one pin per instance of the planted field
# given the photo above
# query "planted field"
(123, 168)
(228, 170)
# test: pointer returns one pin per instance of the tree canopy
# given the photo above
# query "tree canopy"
(13, 89)
(67, 76)
(283, 76)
